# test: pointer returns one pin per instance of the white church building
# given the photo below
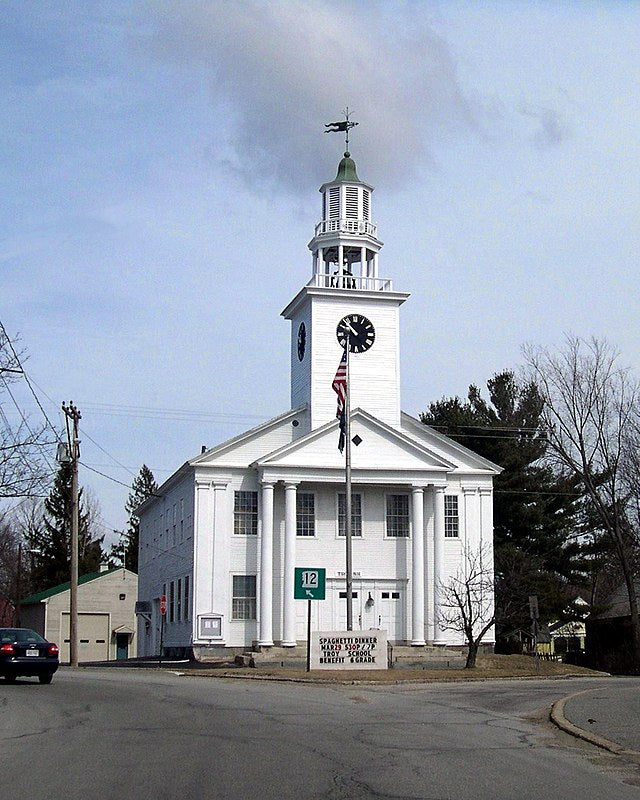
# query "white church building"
(224, 534)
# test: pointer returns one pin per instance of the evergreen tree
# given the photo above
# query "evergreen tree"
(126, 552)
(52, 540)
(536, 512)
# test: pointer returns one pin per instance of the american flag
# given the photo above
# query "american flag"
(339, 386)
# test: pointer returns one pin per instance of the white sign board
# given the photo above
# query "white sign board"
(349, 649)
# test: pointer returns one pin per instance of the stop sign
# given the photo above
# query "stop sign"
(163, 604)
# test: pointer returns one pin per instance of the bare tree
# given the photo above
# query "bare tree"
(8, 557)
(23, 467)
(591, 417)
(466, 600)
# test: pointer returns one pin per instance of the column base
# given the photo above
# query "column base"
(265, 643)
(289, 644)
(418, 643)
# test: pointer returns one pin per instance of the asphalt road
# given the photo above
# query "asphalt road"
(141, 733)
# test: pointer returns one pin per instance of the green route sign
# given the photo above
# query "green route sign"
(309, 583)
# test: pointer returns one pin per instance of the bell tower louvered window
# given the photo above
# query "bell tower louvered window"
(365, 204)
(352, 202)
(334, 202)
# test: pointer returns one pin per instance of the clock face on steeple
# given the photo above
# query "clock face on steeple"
(302, 341)
(359, 331)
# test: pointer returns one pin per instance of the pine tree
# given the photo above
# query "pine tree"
(143, 486)
(52, 540)
(536, 511)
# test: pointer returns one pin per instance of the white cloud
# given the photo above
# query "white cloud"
(278, 70)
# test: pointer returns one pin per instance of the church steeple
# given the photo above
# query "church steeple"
(345, 246)
(345, 283)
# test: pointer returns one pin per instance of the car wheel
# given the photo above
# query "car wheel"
(9, 678)
(45, 678)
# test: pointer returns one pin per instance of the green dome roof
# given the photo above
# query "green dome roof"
(347, 169)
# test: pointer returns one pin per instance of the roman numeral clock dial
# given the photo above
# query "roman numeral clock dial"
(359, 332)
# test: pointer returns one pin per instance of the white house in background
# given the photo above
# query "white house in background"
(106, 617)
(224, 533)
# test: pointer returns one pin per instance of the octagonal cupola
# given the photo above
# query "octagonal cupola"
(345, 246)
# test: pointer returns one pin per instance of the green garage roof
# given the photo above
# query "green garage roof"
(62, 587)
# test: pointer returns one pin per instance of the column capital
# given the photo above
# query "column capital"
(439, 489)
(417, 489)
(469, 489)
(291, 484)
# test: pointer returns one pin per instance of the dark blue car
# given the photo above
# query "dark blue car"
(25, 652)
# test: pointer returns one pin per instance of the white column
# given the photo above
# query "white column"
(202, 551)
(364, 270)
(220, 554)
(288, 603)
(470, 533)
(486, 541)
(438, 561)
(417, 566)
(265, 635)
(375, 265)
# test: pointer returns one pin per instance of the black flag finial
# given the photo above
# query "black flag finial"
(343, 125)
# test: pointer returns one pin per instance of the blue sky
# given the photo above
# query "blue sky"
(159, 167)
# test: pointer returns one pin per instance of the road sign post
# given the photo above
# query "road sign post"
(163, 611)
(309, 584)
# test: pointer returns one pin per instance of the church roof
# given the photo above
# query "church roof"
(347, 170)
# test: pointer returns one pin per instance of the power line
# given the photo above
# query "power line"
(108, 477)
(27, 465)
(180, 414)
(91, 439)
(115, 460)
(516, 428)
(28, 382)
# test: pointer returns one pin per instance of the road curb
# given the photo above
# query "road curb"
(558, 718)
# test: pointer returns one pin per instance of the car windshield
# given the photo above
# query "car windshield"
(8, 635)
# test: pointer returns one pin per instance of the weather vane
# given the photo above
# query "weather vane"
(346, 125)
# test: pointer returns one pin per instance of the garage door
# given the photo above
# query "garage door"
(93, 637)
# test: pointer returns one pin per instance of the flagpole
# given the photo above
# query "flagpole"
(347, 480)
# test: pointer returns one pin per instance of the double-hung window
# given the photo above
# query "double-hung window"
(244, 597)
(356, 514)
(398, 522)
(305, 514)
(245, 513)
(451, 519)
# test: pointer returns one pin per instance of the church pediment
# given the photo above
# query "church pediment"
(381, 448)
(252, 444)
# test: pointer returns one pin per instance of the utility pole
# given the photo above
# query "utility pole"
(73, 417)
(18, 586)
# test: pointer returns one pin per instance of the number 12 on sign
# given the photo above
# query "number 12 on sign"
(309, 583)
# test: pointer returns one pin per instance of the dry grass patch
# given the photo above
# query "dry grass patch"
(488, 666)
